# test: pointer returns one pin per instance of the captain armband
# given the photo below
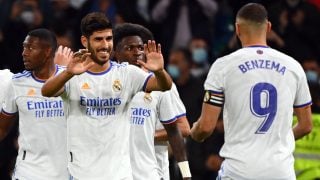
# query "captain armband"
(214, 98)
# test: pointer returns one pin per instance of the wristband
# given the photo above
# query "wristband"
(184, 169)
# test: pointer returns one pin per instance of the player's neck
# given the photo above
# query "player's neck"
(253, 41)
(254, 44)
(97, 68)
(45, 72)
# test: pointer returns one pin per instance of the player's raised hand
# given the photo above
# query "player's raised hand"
(154, 57)
(80, 62)
(63, 56)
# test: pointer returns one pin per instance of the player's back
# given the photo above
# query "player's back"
(260, 86)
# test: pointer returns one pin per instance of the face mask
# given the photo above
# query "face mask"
(199, 55)
(312, 76)
(27, 17)
(173, 71)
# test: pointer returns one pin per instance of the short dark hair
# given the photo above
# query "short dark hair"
(45, 36)
(94, 22)
(128, 29)
(253, 12)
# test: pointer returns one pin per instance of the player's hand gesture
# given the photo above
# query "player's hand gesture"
(79, 62)
(63, 56)
(154, 57)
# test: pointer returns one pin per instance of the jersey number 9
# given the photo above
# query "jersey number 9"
(263, 104)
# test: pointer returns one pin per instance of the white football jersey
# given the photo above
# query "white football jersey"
(260, 87)
(144, 111)
(42, 129)
(5, 77)
(161, 148)
(98, 127)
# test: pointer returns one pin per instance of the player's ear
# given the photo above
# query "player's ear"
(237, 25)
(269, 25)
(84, 42)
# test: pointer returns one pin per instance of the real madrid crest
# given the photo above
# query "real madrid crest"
(117, 85)
(206, 96)
(147, 97)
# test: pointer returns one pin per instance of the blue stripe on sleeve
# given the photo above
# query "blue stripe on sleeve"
(7, 113)
(302, 105)
(178, 116)
(215, 92)
(169, 121)
(146, 81)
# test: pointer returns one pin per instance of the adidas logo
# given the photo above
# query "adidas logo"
(31, 92)
(85, 86)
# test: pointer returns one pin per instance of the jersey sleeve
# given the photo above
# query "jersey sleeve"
(303, 97)
(138, 78)
(9, 103)
(178, 106)
(66, 91)
(166, 113)
(214, 86)
(5, 76)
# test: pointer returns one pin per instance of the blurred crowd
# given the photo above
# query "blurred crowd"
(193, 33)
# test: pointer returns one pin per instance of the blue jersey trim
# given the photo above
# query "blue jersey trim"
(169, 121)
(303, 105)
(215, 92)
(103, 72)
(254, 46)
(181, 115)
(146, 81)
(7, 113)
(23, 74)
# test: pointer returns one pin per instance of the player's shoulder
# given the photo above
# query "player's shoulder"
(5, 73)
(116, 65)
(123, 66)
(229, 58)
(22, 75)
(173, 87)
(287, 60)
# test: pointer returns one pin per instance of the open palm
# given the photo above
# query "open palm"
(80, 62)
(76, 63)
(154, 57)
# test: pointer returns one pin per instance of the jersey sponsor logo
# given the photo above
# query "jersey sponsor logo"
(46, 108)
(100, 106)
(85, 86)
(262, 64)
(147, 98)
(138, 115)
(31, 92)
(117, 86)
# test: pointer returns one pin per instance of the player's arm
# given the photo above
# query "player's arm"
(54, 86)
(6, 123)
(211, 108)
(183, 126)
(161, 81)
(205, 125)
(178, 148)
(304, 124)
